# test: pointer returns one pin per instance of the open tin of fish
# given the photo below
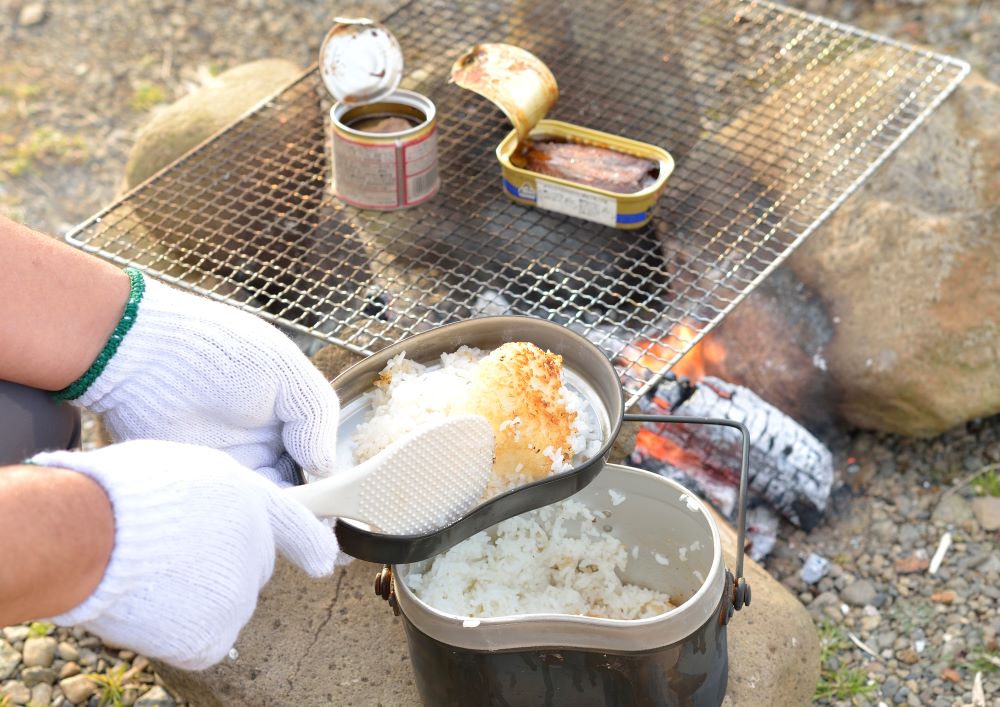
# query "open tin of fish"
(558, 166)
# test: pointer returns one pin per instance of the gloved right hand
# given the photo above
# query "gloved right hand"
(195, 540)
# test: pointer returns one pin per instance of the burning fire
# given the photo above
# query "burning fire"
(706, 358)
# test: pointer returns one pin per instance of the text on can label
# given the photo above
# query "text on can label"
(576, 202)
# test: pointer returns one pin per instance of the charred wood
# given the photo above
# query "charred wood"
(790, 470)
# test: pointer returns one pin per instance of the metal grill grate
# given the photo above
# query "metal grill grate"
(773, 116)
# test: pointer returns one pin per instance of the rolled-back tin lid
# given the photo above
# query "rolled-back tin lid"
(514, 79)
(360, 61)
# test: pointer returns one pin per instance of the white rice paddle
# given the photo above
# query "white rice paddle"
(422, 482)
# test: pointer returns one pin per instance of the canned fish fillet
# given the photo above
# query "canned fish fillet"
(385, 153)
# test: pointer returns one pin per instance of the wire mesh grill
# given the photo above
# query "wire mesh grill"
(773, 116)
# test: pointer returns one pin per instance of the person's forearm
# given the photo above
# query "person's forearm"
(58, 306)
(59, 531)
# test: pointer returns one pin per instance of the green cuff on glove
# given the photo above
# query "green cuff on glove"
(78, 387)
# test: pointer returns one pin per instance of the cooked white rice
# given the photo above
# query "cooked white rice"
(418, 394)
(553, 560)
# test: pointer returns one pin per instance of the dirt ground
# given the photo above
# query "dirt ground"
(78, 78)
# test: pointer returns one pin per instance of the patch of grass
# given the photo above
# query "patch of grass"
(18, 155)
(5, 701)
(839, 683)
(980, 662)
(988, 482)
(110, 685)
(38, 629)
(20, 91)
(147, 94)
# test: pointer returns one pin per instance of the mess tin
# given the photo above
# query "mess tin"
(677, 658)
(589, 174)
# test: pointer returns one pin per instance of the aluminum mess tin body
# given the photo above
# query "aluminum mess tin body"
(677, 658)
(385, 170)
(613, 209)
(586, 370)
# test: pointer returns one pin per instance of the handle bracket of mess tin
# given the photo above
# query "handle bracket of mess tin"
(741, 589)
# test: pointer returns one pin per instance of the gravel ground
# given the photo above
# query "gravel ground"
(78, 78)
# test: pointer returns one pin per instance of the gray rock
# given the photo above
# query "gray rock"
(41, 694)
(942, 236)
(954, 647)
(88, 657)
(36, 675)
(909, 534)
(186, 123)
(16, 634)
(77, 688)
(31, 14)
(156, 697)
(9, 660)
(884, 530)
(17, 692)
(68, 670)
(39, 651)
(987, 512)
(68, 652)
(814, 568)
(952, 510)
(990, 564)
(859, 593)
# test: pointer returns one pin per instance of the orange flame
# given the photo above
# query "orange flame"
(651, 444)
(705, 358)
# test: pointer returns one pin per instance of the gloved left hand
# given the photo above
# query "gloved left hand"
(185, 368)
(195, 540)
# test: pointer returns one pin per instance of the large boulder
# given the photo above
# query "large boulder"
(904, 274)
(199, 115)
(908, 267)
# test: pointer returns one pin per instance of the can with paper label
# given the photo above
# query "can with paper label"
(384, 138)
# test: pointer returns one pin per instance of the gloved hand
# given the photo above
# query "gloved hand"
(195, 538)
(189, 369)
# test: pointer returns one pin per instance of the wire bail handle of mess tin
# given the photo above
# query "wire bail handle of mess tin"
(741, 589)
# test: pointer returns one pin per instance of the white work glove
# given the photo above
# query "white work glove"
(195, 539)
(197, 371)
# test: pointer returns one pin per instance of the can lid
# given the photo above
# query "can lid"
(360, 61)
(514, 79)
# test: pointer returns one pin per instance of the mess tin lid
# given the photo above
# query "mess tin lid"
(514, 79)
(360, 61)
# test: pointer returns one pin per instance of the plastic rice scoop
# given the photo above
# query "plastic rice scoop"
(424, 481)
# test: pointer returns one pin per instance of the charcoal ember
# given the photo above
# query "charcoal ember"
(790, 470)
(590, 165)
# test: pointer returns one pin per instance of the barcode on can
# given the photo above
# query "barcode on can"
(420, 165)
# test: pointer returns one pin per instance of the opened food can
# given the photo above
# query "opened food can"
(558, 166)
(384, 138)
